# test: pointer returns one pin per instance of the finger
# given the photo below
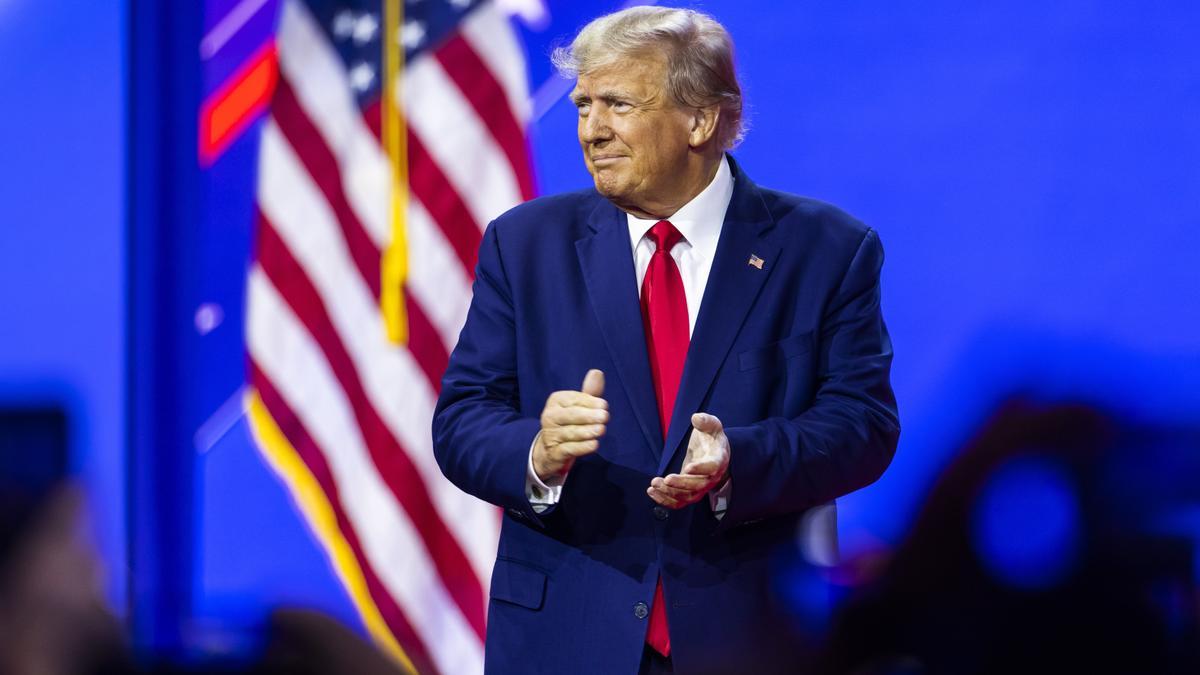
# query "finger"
(689, 483)
(575, 432)
(575, 415)
(576, 448)
(568, 399)
(657, 497)
(556, 418)
(665, 499)
(706, 423)
(705, 468)
(584, 415)
(676, 493)
(593, 383)
(662, 498)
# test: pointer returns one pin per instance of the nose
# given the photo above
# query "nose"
(594, 127)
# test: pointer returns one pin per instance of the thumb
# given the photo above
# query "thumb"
(706, 423)
(593, 383)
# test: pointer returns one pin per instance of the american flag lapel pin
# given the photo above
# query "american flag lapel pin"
(755, 261)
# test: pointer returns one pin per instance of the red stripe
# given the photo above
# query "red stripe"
(431, 187)
(490, 102)
(389, 457)
(320, 163)
(229, 110)
(314, 459)
(424, 342)
(444, 204)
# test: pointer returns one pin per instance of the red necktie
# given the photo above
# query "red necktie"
(665, 319)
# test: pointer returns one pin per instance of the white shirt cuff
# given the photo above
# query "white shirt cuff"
(719, 499)
(539, 494)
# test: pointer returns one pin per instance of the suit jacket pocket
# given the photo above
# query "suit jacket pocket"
(516, 582)
(776, 352)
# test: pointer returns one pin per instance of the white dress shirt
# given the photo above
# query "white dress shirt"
(699, 221)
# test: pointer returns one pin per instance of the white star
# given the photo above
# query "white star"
(412, 34)
(344, 24)
(365, 28)
(362, 76)
(461, 4)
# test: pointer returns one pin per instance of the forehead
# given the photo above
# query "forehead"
(644, 73)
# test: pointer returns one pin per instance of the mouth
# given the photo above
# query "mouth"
(604, 160)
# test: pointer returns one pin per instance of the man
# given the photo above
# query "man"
(659, 376)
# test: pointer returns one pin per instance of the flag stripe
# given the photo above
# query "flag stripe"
(314, 462)
(289, 358)
(391, 459)
(430, 185)
(439, 198)
(429, 348)
(321, 87)
(425, 343)
(318, 82)
(483, 92)
(491, 35)
(437, 275)
(321, 165)
(458, 141)
(291, 202)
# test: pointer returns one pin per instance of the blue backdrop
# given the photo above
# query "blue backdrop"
(1032, 169)
(62, 239)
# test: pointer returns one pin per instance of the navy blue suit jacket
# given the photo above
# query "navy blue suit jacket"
(793, 358)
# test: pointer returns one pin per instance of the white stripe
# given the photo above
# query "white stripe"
(458, 141)
(491, 35)
(322, 89)
(293, 362)
(394, 383)
(436, 278)
(319, 79)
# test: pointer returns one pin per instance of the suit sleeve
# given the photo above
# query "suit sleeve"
(480, 438)
(846, 439)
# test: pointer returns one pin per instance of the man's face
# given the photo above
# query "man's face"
(633, 134)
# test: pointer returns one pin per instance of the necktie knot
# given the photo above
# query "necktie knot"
(664, 235)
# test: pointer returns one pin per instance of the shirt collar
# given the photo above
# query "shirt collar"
(700, 220)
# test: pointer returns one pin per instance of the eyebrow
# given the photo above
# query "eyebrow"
(608, 95)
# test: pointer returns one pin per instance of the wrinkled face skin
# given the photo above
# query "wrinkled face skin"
(635, 137)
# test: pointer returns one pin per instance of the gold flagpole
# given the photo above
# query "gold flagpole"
(394, 266)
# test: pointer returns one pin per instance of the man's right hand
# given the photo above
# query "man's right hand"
(572, 424)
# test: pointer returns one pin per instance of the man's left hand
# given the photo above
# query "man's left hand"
(705, 466)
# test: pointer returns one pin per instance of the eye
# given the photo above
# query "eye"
(584, 108)
(621, 106)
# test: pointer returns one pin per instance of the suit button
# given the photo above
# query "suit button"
(660, 513)
(640, 610)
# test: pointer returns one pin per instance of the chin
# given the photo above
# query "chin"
(608, 186)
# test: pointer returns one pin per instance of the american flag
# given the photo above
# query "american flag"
(395, 133)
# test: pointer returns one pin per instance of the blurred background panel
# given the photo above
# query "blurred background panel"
(63, 260)
(1031, 168)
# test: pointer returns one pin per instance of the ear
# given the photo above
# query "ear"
(704, 125)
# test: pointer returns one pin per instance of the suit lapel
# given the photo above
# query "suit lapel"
(608, 272)
(733, 284)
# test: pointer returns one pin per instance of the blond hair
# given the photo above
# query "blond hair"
(699, 53)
